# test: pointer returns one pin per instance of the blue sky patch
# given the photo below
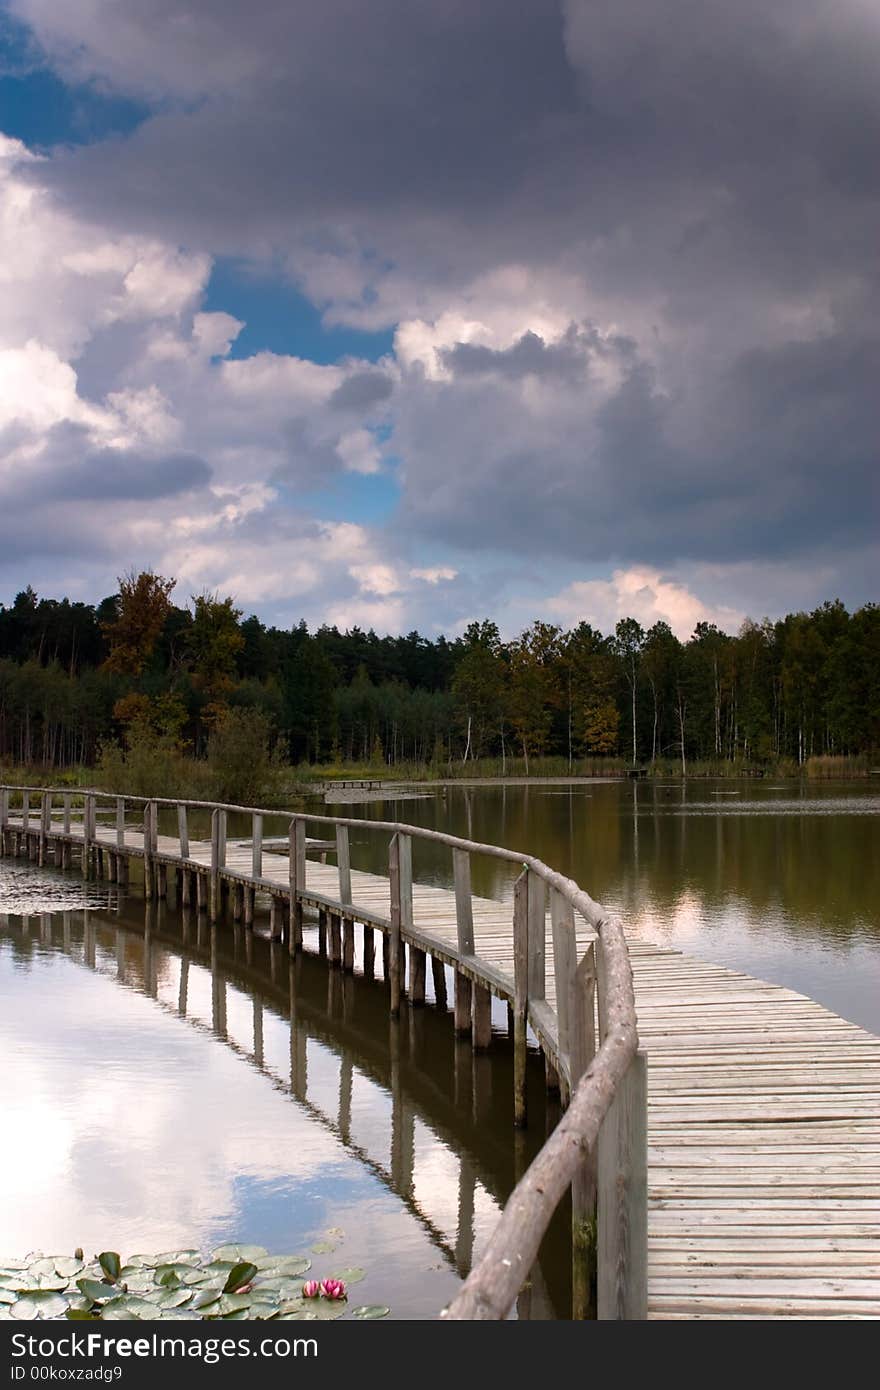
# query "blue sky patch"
(279, 319)
(362, 497)
(39, 108)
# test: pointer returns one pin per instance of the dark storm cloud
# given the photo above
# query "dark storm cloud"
(309, 460)
(117, 474)
(529, 356)
(788, 462)
(72, 470)
(361, 391)
(705, 171)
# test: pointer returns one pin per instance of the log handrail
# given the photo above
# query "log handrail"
(602, 1130)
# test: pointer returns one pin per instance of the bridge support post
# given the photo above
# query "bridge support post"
(438, 971)
(348, 944)
(417, 968)
(482, 1018)
(335, 939)
(369, 953)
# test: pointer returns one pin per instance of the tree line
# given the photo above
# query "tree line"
(75, 678)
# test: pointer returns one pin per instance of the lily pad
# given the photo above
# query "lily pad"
(319, 1310)
(39, 1305)
(205, 1298)
(171, 1298)
(349, 1276)
(125, 1307)
(240, 1274)
(235, 1282)
(231, 1303)
(110, 1263)
(236, 1253)
(96, 1291)
(323, 1247)
(290, 1265)
(28, 1283)
(371, 1310)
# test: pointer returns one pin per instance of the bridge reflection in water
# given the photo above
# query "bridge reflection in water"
(459, 1098)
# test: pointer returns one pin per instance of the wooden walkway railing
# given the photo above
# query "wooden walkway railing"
(566, 976)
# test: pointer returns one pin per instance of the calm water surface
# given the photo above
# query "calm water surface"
(780, 880)
(167, 1085)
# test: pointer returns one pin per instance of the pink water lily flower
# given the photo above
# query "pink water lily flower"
(311, 1288)
(333, 1288)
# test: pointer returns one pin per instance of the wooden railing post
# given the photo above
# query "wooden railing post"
(218, 859)
(297, 880)
(537, 933)
(564, 967)
(25, 811)
(120, 822)
(343, 859)
(582, 1050)
(520, 994)
(395, 943)
(66, 803)
(4, 809)
(623, 1199)
(257, 855)
(45, 823)
(88, 821)
(148, 858)
(183, 831)
(464, 916)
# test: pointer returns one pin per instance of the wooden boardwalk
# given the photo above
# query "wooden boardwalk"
(763, 1106)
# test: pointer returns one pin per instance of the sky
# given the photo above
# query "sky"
(422, 311)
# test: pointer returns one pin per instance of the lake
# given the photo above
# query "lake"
(167, 1084)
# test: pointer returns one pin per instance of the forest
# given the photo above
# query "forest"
(81, 683)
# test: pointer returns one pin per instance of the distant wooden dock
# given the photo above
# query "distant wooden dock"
(747, 1187)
